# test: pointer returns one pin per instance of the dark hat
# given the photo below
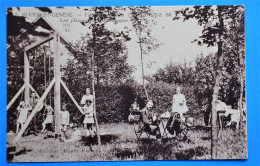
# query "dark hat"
(88, 100)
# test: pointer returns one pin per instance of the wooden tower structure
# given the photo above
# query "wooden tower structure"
(56, 81)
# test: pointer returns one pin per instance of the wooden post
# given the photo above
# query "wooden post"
(26, 78)
(34, 111)
(72, 98)
(15, 97)
(57, 77)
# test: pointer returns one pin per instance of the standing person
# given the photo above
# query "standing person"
(89, 117)
(149, 122)
(88, 109)
(23, 110)
(179, 103)
(86, 97)
(33, 102)
(64, 119)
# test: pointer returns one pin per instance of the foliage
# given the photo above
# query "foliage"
(216, 22)
(113, 102)
(108, 47)
(110, 61)
(161, 93)
(142, 21)
(174, 73)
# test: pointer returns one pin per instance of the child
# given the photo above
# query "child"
(89, 117)
(76, 135)
(23, 110)
(64, 119)
(49, 118)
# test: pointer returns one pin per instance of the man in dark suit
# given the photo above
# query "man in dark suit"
(149, 122)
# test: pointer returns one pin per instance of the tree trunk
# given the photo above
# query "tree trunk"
(214, 136)
(241, 78)
(142, 62)
(93, 78)
(241, 102)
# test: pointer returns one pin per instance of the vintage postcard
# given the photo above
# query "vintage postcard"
(126, 83)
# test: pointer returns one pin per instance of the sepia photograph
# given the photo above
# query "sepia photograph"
(120, 83)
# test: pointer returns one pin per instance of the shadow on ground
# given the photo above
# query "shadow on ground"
(105, 139)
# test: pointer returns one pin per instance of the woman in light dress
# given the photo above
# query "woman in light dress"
(179, 103)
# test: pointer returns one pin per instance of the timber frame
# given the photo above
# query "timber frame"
(56, 81)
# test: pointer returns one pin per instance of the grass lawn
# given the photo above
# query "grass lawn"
(120, 144)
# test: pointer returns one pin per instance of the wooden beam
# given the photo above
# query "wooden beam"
(15, 97)
(57, 77)
(26, 78)
(35, 110)
(38, 43)
(72, 98)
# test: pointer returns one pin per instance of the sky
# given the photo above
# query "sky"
(175, 36)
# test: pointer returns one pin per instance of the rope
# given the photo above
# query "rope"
(49, 71)
(34, 62)
(44, 60)
(44, 63)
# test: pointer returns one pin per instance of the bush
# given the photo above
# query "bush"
(113, 101)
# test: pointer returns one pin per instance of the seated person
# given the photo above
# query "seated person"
(134, 112)
(75, 136)
(221, 106)
(174, 124)
(135, 106)
(49, 118)
(149, 122)
(23, 110)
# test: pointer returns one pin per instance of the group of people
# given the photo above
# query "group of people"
(24, 109)
(150, 121)
(64, 115)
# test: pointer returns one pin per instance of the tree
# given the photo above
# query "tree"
(111, 59)
(142, 21)
(236, 47)
(215, 20)
(103, 49)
